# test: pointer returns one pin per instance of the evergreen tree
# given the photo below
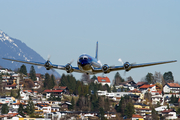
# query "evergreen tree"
(4, 109)
(71, 107)
(129, 110)
(154, 114)
(168, 77)
(32, 73)
(52, 82)
(106, 104)
(30, 107)
(12, 93)
(69, 81)
(18, 94)
(94, 77)
(149, 78)
(21, 110)
(114, 89)
(23, 69)
(118, 79)
(46, 81)
(101, 113)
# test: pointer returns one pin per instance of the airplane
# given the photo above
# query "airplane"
(90, 65)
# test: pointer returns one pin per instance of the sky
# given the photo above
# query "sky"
(133, 30)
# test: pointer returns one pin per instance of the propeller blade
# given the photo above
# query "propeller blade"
(49, 56)
(124, 73)
(71, 61)
(99, 62)
(120, 60)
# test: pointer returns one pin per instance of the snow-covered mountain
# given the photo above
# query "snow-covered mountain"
(13, 48)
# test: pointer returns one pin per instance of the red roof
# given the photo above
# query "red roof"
(147, 86)
(179, 100)
(136, 116)
(11, 114)
(19, 103)
(52, 91)
(103, 79)
(173, 85)
(167, 110)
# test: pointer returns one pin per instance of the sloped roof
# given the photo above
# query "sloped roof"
(136, 116)
(103, 79)
(19, 103)
(147, 86)
(167, 110)
(52, 91)
(140, 83)
(173, 85)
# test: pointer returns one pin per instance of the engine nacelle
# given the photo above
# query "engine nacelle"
(68, 68)
(127, 66)
(105, 68)
(47, 65)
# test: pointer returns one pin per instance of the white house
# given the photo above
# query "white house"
(171, 87)
(160, 109)
(156, 99)
(100, 93)
(169, 114)
(103, 80)
(149, 88)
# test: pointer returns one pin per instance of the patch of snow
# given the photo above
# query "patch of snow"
(15, 44)
(26, 58)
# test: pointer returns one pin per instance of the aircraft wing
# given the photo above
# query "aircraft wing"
(30, 62)
(115, 68)
(62, 67)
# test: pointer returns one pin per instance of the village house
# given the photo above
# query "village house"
(137, 117)
(145, 88)
(169, 114)
(16, 105)
(130, 84)
(103, 80)
(171, 88)
(56, 93)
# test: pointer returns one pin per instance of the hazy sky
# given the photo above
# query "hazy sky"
(133, 30)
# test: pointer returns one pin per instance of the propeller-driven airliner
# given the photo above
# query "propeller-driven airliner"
(90, 65)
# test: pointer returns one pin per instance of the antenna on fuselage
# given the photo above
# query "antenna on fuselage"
(96, 51)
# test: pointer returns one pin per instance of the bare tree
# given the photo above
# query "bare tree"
(157, 77)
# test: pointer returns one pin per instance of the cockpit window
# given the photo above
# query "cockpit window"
(83, 58)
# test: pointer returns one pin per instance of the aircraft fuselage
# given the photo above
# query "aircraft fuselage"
(86, 63)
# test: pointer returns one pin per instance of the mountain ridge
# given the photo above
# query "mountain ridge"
(16, 49)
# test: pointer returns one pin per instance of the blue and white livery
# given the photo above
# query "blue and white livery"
(90, 65)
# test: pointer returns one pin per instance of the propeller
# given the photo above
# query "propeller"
(99, 62)
(120, 60)
(71, 61)
(48, 57)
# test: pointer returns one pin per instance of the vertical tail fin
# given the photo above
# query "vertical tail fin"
(96, 51)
